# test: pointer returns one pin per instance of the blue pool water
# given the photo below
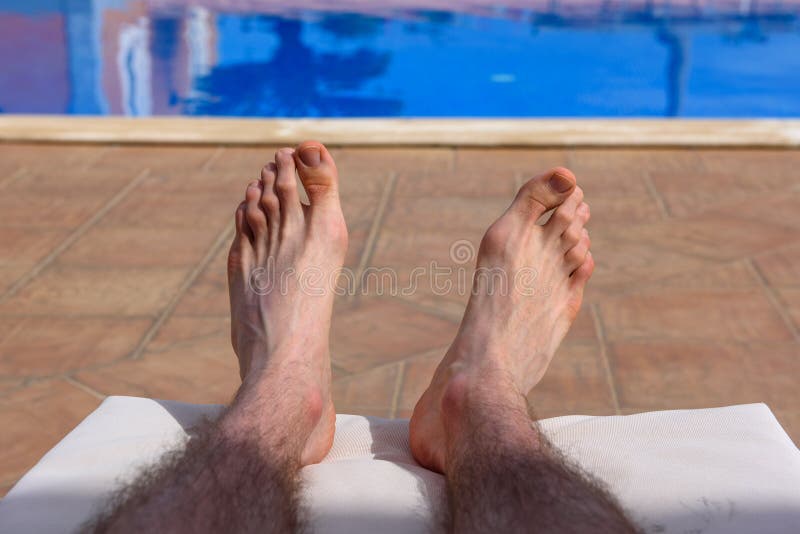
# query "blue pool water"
(547, 59)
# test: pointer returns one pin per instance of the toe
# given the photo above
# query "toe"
(269, 200)
(286, 185)
(317, 172)
(241, 251)
(242, 228)
(254, 215)
(575, 256)
(578, 283)
(585, 211)
(582, 274)
(544, 192)
(564, 215)
(574, 232)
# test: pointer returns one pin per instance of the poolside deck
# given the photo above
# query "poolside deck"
(112, 278)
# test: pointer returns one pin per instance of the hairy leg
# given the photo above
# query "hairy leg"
(503, 475)
(472, 422)
(239, 473)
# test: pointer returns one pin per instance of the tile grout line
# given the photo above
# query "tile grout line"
(660, 202)
(416, 355)
(212, 159)
(83, 387)
(73, 380)
(14, 331)
(338, 368)
(374, 231)
(24, 383)
(773, 298)
(600, 331)
(81, 230)
(398, 387)
(74, 236)
(224, 236)
(409, 356)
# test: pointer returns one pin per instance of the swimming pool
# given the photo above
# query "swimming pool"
(568, 58)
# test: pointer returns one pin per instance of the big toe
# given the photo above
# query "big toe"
(317, 172)
(544, 192)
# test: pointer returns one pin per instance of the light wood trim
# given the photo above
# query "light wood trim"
(402, 132)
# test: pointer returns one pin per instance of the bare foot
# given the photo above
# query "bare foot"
(280, 263)
(507, 338)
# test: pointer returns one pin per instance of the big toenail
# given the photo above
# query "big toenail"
(310, 156)
(560, 183)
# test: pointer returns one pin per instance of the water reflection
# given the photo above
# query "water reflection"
(298, 81)
(554, 58)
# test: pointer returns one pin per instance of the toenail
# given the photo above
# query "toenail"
(560, 183)
(310, 156)
(254, 183)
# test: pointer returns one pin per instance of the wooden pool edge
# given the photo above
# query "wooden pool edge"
(758, 133)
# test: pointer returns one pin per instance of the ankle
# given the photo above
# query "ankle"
(281, 362)
(472, 394)
(271, 408)
(454, 399)
(484, 402)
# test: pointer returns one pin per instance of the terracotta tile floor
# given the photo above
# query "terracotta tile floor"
(112, 279)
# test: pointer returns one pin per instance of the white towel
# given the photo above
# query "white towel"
(713, 470)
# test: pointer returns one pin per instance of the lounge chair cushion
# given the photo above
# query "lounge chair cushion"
(726, 470)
